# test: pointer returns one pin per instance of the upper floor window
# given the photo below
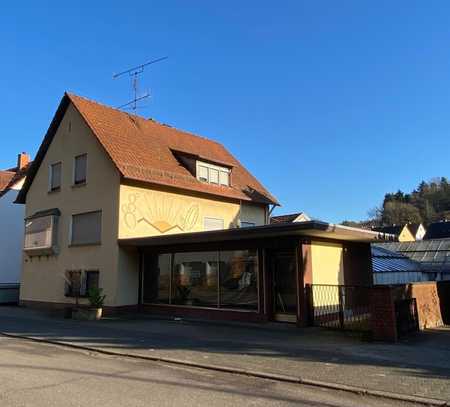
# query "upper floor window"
(86, 228)
(41, 232)
(80, 169)
(213, 174)
(245, 224)
(55, 177)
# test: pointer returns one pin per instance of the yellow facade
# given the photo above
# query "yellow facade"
(405, 235)
(327, 263)
(43, 278)
(127, 211)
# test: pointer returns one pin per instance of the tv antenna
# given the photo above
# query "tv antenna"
(133, 73)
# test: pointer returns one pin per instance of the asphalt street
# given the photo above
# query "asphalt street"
(36, 374)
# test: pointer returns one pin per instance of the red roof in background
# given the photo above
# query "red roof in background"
(143, 150)
(10, 177)
(5, 179)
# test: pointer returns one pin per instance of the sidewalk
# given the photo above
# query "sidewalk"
(418, 366)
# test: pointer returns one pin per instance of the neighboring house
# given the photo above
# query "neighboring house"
(11, 229)
(432, 255)
(401, 231)
(157, 218)
(417, 230)
(395, 268)
(293, 217)
(438, 230)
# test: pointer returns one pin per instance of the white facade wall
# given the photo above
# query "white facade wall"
(11, 236)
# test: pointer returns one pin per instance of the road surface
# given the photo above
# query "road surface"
(37, 374)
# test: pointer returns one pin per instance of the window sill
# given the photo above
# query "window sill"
(75, 296)
(84, 244)
(53, 191)
(81, 184)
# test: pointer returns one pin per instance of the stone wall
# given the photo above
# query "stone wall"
(427, 299)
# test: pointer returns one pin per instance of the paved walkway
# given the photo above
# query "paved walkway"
(417, 366)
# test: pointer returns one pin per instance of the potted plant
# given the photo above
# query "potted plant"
(96, 300)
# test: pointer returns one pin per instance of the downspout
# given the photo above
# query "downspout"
(270, 213)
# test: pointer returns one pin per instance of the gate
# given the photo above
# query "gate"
(339, 306)
(406, 316)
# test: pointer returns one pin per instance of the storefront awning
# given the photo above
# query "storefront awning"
(300, 229)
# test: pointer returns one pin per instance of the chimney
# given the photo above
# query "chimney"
(22, 160)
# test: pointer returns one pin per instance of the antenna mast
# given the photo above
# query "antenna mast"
(133, 73)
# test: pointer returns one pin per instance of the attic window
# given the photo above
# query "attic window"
(213, 174)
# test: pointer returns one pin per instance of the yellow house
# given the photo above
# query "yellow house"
(102, 174)
(403, 232)
(166, 221)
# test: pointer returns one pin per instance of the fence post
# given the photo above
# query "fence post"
(383, 322)
(309, 300)
(341, 307)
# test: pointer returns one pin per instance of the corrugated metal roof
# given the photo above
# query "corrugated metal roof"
(384, 260)
(433, 255)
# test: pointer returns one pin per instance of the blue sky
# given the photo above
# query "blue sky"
(330, 104)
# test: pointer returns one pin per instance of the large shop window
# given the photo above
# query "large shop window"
(225, 279)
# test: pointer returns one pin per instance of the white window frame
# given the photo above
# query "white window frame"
(73, 170)
(50, 177)
(210, 167)
(213, 219)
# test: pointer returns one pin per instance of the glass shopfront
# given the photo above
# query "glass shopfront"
(213, 279)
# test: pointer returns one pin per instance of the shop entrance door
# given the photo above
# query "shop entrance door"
(284, 285)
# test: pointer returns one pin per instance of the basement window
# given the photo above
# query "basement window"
(78, 282)
(213, 174)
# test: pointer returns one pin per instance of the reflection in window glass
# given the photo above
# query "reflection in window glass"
(194, 280)
(157, 278)
(238, 279)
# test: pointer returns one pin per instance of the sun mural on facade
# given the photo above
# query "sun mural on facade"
(163, 214)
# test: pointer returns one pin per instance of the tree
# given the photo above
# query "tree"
(398, 213)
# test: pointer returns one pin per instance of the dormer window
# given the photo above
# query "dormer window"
(213, 174)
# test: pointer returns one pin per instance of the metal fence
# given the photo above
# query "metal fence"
(406, 316)
(9, 293)
(339, 306)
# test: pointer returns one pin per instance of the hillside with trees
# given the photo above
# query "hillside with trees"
(429, 202)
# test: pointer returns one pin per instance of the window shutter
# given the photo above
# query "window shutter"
(203, 173)
(55, 176)
(213, 176)
(87, 228)
(80, 169)
(38, 233)
(224, 178)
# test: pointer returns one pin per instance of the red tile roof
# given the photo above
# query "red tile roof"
(5, 179)
(143, 150)
(288, 218)
(10, 177)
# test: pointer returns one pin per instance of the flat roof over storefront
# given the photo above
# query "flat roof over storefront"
(316, 229)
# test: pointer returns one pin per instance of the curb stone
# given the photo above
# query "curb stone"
(245, 372)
